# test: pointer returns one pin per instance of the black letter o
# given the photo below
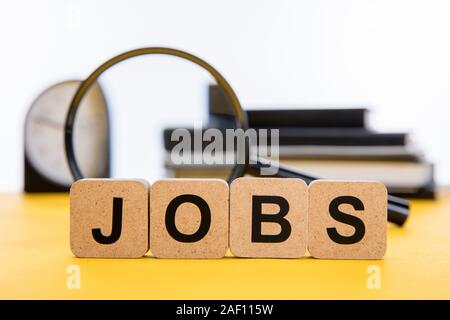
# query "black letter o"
(205, 221)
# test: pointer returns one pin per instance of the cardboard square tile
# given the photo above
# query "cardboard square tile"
(189, 218)
(347, 219)
(268, 217)
(109, 218)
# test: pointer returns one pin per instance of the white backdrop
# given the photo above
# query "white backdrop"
(393, 56)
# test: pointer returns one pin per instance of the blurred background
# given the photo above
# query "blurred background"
(391, 57)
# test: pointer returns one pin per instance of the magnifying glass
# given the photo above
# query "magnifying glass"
(398, 209)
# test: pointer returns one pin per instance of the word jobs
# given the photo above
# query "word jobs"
(203, 218)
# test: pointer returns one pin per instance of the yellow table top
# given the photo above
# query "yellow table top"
(35, 255)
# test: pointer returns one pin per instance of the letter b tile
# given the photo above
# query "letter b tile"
(109, 218)
(347, 219)
(268, 217)
(189, 218)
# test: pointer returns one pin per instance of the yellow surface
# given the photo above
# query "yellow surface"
(35, 254)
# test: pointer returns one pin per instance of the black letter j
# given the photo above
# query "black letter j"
(116, 225)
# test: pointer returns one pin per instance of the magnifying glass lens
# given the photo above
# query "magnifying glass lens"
(165, 120)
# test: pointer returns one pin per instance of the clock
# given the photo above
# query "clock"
(45, 164)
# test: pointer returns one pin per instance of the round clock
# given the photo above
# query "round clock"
(45, 158)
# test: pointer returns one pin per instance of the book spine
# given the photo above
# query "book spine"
(342, 139)
(308, 118)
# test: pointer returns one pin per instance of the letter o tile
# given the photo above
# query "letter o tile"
(189, 218)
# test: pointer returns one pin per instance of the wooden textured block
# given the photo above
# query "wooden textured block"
(268, 217)
(109, 218)
(347, 219)
(189, 218)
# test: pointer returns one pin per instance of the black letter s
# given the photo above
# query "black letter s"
(340, 216)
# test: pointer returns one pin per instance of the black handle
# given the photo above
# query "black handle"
(398, 208)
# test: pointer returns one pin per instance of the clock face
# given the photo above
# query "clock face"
(44, 133)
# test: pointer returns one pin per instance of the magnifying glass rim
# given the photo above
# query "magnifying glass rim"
(240, 116)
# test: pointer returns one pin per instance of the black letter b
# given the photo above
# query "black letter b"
(258, 218)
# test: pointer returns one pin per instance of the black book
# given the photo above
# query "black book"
(315, 137)
(220, 110)
(307, 118)
(294, 136)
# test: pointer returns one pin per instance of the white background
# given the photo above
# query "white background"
(392, 56)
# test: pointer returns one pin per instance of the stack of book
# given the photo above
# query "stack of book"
(327, 143)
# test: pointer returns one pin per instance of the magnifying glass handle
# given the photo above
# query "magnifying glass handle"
(398, 208)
